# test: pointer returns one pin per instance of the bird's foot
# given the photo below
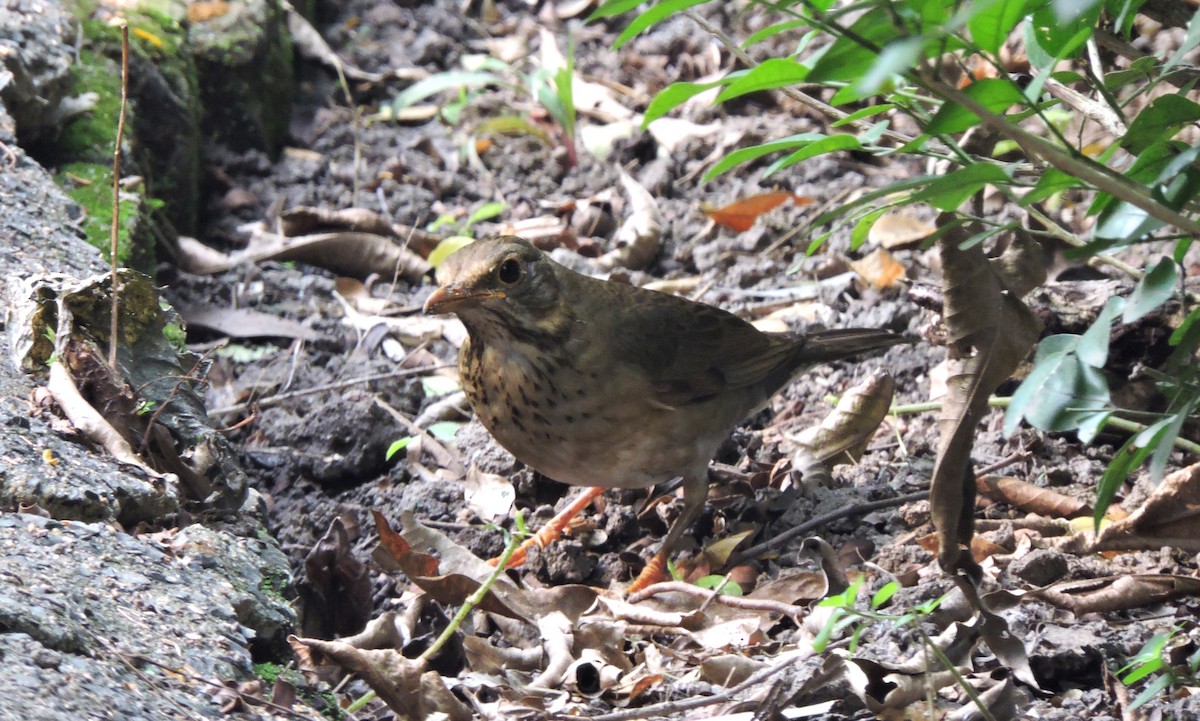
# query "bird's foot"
(654, 572)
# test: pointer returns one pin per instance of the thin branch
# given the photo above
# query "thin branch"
(114, 232)
(340, 385)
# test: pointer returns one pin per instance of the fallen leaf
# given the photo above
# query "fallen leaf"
(899, 230)
(879, 268)
(740, 215)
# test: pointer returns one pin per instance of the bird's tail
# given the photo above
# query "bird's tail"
(831, 345)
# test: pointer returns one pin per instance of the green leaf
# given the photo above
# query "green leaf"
(1122, 464)
(1062, 28)
(1063, 390)
(434, 386)
(397, 446)
(983, 235)
(613, 7)
(674, 95)
(995, 94)
(831, 144)
(897, 57)
(1093, 344)
(1160, 120)
(435, 84)
(1165, 444)
(866, 112)
(445, 248)
(1176, 181)
(1053, 181)
(991, 21)
(656, 13)
(771, 73)
(1152, 691)
(1154, 289)
(951, 190)
(884, 594)
(731, 588)
(1190, 41)
(487, 211)
(847, 58)
(862, 228)
(745, 155)
(444, 431)
(772, 30)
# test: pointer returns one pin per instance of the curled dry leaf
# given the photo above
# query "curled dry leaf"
(741, 214)
(899, 230)
(637, 240)
(351, 253)
(670, 133)
(304, 220)
(879, 269)
(405, 685)
(882, 690)
(842, 436)
(491, 496)
(591, 674)
(336, 599)
(989, 332)
(246, 323)
(1030, 498)
(1167, 518)
(1116, 593)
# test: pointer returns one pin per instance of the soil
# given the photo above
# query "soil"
(321, 456)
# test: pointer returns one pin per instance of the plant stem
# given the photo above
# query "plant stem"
(1117, 422)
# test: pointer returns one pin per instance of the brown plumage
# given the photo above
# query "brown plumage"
(597, 383)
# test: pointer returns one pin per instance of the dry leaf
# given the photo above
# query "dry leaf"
(1030, 498)
(880, 269)
(898, 230)
(1116, 593)
(1168, 518)
(740, 215)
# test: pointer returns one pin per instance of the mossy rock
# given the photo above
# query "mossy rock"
(244, 61)
(142, 223)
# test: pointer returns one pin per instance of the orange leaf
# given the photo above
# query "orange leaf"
(880, 269)
(741, 214)
(414, 563)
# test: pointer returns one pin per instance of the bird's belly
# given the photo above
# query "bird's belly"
(594, 429)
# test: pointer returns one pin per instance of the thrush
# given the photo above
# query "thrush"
(602, 384)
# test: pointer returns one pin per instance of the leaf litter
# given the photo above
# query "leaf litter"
(594, 652)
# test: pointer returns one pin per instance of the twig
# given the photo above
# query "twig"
(670, 708)
(116, 201)
(340, 385)
(741, 602)
(814, 523)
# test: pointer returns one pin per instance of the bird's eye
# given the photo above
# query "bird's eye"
(510, 271)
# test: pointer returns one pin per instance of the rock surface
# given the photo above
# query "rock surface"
(110, 604)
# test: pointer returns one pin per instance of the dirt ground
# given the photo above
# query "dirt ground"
(321, 456)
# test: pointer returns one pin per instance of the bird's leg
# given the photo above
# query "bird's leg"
(695, 490)
(552, 530)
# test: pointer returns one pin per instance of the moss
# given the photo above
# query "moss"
(162, 141)
(91, 136)
(90, 185)
(273, 585)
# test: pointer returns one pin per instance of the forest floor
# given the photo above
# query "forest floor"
(320, 457)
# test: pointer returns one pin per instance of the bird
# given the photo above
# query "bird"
(602, 384)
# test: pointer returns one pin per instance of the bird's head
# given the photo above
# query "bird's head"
(496, 280)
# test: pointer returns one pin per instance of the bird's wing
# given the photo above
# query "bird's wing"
(691, 351)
